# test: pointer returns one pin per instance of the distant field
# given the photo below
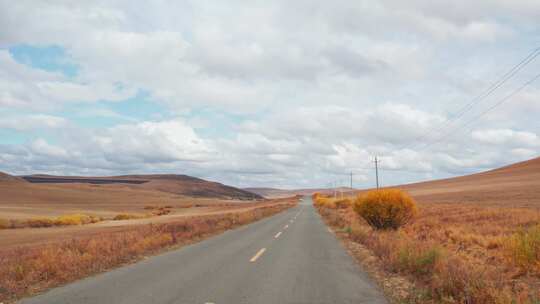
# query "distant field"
(22, 201)
(31, 200)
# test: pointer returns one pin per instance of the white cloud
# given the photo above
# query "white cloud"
(43, 148)
(309, 89)
(32, 122)
(28, 88)
(507, 137)
(152, 142)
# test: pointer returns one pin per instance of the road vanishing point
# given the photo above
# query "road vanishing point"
(290, 257)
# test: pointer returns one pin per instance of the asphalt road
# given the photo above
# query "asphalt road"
(291, 257)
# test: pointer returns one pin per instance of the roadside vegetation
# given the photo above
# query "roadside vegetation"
(29, 270)
(41, 222)
(80, 219)
(449, 253)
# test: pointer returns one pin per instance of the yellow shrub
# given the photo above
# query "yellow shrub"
(320, 200)
(523, 248)
(75, 219)
(126, 216)
(4, 224)
(386, 209)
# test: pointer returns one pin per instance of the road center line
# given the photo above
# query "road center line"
(256, 256)
(277, 235)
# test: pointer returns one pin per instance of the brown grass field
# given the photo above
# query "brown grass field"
(92, 228)
(476, 239)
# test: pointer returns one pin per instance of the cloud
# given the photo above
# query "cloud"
(277, 93)
(41, 147)
(507, 137)
(151, 142)
(29, 88)
(32, 122)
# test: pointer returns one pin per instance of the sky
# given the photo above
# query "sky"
(287, 94)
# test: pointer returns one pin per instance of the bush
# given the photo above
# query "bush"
(386, 209)
(126, 216)
(320, 200)
(523, 248)
(39, 222)
(75, 219)
(4, 224)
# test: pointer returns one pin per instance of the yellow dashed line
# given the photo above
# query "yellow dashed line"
(257, 255)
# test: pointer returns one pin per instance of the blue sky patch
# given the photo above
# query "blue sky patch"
(48, 58)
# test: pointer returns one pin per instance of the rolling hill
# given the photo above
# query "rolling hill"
(517, 185)
(6, 178)
(170, 183)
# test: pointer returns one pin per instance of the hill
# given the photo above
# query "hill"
(517, 185)
(170, 183)
(4, 177)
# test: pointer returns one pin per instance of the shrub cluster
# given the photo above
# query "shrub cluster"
(76, 219)
(40, 222)
(159, 210)
(128, 216)
(386, 208)
(320, 200)
(442, 277)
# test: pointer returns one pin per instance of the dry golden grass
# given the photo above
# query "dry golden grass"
(457, 253)
(128, 216)
(33, 269)
(76, 219)
(523, 249)
(42, 222)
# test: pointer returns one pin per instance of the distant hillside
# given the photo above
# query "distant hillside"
(171, 183)
(4, 177)
(516, 185)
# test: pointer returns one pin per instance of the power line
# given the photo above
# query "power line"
(479, 98)
(475, 118)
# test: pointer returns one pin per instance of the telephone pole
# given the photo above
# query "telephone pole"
(351, 180)
(377, 170)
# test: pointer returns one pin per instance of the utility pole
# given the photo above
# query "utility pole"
(377, 171)
(351, 180)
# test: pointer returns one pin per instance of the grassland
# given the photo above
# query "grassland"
(475, 240)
